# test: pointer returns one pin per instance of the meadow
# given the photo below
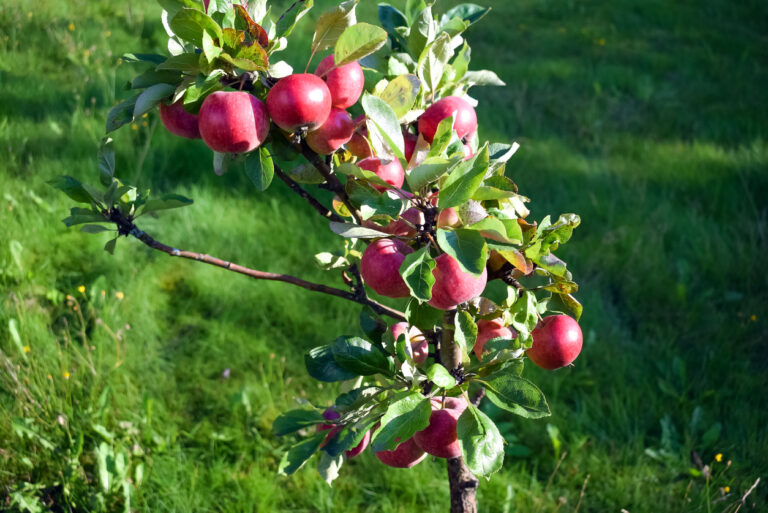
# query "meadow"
(137, 382)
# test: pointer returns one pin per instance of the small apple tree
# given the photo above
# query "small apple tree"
(425, 210)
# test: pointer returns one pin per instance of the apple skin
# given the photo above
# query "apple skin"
(178, 121)
(380, 267)
(345, 83)
(439, 438)
(400, 227)
(233, 122)
(410, 144)
(468, 152)
(486, 330)
(334, 133)
(330, 414)
(419, 344)
(465, 123)
(452, 285)
(557, 341)
(405, 455)
(392, 173)
(301, 100)
(448, 217)
(358, 144)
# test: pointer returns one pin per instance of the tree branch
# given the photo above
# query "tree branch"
(126, 227)
(298, 189)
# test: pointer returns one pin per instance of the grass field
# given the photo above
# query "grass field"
(647, 118)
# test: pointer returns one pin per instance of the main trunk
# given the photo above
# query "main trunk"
(463, 486)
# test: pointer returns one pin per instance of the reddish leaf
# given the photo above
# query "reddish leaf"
(255, 30)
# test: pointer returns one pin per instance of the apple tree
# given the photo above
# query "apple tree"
(424, 209)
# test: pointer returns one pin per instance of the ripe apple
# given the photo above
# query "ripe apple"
(452, 285)
(448, 217)
(410, 144)
(486, 330)
(439, 438)
(557, 341)
(401, 228)
(380, 267)
(405, 455)
(346, 82)
(358, 145)
(300, 100)
(465, 121)
(178, 121)
(330, 414)
(419, 344)
(390, 171)
(332, 134)
(233, 122)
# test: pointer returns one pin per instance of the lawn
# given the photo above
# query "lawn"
(141, 378)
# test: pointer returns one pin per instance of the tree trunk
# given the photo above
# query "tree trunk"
(463, 487)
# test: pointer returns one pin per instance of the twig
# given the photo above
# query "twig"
(333, 181)
(746, 494)
(581, 495)
(298, 189)
(126, 227)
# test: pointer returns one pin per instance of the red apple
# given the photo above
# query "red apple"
(439, 438)
(299, 101)
(389, 171)
(358, 145)
(557, 341)
(233, 122)
(330, 414)
(178, 121)
(401, 228)
(380, 267)
(452, 285)
(419, 344)
(448, 217)
(405, 455)
(346, 82)
(335, 132)
(486, 330)
(410, 144)
(468, 152)
(465, 121)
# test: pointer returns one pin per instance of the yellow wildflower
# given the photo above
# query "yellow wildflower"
(27, 349)
(718, 457)
(108, 33)
(727, 489)
(119, 295)
(66, 375)
(134, 126)
(753, 318)
(601, 41)
(81, 289)
(71, 26)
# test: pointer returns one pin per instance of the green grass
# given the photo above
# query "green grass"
(646, 118)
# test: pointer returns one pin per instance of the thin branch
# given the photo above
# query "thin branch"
(298, 189)
(333, 180)
(126, 227)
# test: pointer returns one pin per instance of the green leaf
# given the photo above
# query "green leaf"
(433, 61)
(260, 168)
(355, 231)
(413, 8)
(551, 263)
(196, 93)
(166, 202)
(401, 94)
(150, 97)
(356, 355)
(323, 367)
(427, 172)
(109, 247)
(383, 126)
(565, 303)
(329, 466)
(466, 333)
(153, 58)
(517, 395)
(438, 375)
(403, 418)
(350, 169)
(106, 158)
(423, 31)
(348, 437)
(374, 203)
(189, 24)
(467, 12)
(210, 49)
(294, 420)
(290, 18)
(480, 442)
(461, 63)
(250, 58)
(443, 137)
(422, 315)
(297, 455)
(72, 188)
(332, 24)
(95, 228)
(464, 180)
(358, 41)
(390, 19)
(524, 314)
(416, 270)
(152, 77)
(189, 62)
(481, 78)
(468, 247)
(121, 114)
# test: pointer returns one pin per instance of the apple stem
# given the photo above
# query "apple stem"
(298, 189)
